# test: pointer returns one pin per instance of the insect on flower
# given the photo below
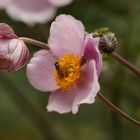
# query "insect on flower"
(59, 70)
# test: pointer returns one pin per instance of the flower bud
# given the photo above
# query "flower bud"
(108, 43)
(13, 52)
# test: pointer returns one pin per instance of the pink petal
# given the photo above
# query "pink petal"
(83, 92)
(3, 3)
(87, 87)
(40, 71)
(4, 54)
(92, 51)
(4, 57)
(19, 54)
(6, 32)
(66, 36)
(61, 102)
(31, 11)
(60, 2)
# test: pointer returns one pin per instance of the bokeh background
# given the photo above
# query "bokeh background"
(22, 108)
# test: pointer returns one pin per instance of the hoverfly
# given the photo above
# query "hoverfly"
(59, 70)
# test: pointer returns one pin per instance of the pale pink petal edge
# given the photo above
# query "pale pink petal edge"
(95, 87)
(40, 71)
(66, 36)
(65, 102)
(31, 18)
(59, 3)
(92, 51)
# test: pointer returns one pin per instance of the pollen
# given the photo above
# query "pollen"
(67, 71)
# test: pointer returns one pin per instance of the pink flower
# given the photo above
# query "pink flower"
(32, 11)
(3, 3)
(69, 69)
(13, 52)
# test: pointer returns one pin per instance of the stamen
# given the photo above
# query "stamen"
(67, 71)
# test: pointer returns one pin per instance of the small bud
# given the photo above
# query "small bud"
(13, 52)
(108, 43)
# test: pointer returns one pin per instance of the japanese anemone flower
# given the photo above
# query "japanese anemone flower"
(69, 69)
(32, 11)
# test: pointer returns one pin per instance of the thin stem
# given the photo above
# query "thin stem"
(34, 42)
(126, 63)
(117, 110)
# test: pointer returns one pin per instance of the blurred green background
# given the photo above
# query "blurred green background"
(22, 108)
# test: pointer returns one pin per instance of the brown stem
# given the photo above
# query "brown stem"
(117, 110)
(126, 63)
(34, 42)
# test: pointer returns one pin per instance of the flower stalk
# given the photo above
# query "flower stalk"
(34, 42)
(117, 110)
(126, 63)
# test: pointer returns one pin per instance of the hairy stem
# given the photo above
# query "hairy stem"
(117, 110)
(126, 63)
(34, 42)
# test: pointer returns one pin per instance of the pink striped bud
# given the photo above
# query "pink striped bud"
(13, 52)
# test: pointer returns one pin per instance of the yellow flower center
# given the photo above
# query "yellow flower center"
(67, 71)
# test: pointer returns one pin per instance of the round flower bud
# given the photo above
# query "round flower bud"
(13, 54)
(108, 43)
